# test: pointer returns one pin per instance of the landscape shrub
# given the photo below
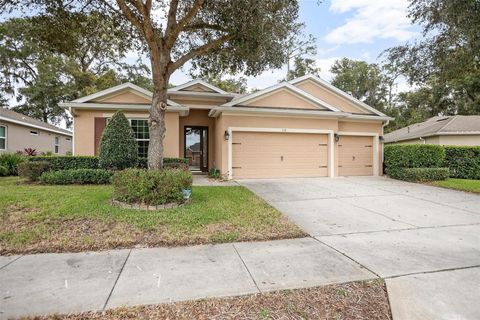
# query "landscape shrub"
(413, 156)
(32, 170)
(180, 163)
(11, 161)
(151, 187)
(118, 147)
(214, 173)
(68, 162)
(3, 171)
(419, 174)
(463, 162)
(77, 176)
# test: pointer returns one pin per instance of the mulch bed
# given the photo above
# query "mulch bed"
(355, 300)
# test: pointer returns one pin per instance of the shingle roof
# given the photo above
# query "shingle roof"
(8, 114)
(448, 125)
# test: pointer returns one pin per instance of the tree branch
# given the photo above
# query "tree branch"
(175, 29)
(130, 15)
(172, 17)
(202, 50)
(203, 25)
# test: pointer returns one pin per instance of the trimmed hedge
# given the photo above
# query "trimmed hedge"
(413, 156)
(151, 187)
(92, 162)
(32, 170)
(3, 171)
(68, 162)
(463, 162)
(11, 161)
(167, 163)
(77, 176)
(419, 174)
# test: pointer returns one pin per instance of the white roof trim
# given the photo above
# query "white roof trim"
(146, 93)
(337, 91)
(216, 111)
(119, 106)
(197, 81)
(26, 124)
(127, 85)
(278, 86)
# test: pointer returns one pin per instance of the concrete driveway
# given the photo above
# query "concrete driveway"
(425, 241)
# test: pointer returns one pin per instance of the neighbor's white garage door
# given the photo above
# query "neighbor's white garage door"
(276, 155)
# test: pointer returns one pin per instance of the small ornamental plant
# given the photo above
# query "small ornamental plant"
(118, 148)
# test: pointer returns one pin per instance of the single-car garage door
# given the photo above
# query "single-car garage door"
(355, 156)
(275, 155)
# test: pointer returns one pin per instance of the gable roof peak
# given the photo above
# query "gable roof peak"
(337, 91)
(112, 90)
(200, 82)
(278, 86)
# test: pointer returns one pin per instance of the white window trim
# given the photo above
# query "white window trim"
(5, 137)
(56, 143)
(376, 146)
(130, 122)
(331, 144)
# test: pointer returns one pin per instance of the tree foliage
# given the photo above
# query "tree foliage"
(44, 60)
(118, 147)
(446, 61)
(362, 80)
(300, 47)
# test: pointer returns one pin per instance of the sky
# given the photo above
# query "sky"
(356, 29)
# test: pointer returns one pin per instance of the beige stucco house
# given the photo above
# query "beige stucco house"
(441, 130)
(18, 132)
(302, 128)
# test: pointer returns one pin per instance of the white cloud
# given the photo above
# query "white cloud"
(325, 65)
(372, 19)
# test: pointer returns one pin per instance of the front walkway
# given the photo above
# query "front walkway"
(75, 282)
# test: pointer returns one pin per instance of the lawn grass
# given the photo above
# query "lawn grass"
(40, 218)
(355, 300)
(460, 184)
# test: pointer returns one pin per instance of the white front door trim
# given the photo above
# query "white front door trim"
(331, 150)
(376, 143)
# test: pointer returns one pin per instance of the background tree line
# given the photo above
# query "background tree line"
(44, 59)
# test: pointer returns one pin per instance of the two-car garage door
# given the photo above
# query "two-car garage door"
(276, 155)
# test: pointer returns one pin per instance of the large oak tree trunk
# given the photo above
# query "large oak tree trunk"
(156, 121)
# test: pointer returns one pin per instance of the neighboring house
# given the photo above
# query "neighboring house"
(302, 128)
(18, 132)
(442, 130)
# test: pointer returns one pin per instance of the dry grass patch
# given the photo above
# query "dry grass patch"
(39, 218)
(357, 300)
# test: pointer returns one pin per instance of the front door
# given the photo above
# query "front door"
(196, 148)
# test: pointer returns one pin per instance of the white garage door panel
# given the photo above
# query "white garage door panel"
(259, 155)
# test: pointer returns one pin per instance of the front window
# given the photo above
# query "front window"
(57, 144)
(3, 137)
(140, 128)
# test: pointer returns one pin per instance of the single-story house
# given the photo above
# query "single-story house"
(441, 130)
(18, 132)
(302, 128)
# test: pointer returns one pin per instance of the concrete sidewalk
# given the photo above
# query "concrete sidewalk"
(74, 282)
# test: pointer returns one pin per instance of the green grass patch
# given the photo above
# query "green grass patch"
(460, 184)
(42, 218)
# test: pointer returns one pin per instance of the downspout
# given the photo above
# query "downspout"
(424, 141)
(73, 130)
(382, 143)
